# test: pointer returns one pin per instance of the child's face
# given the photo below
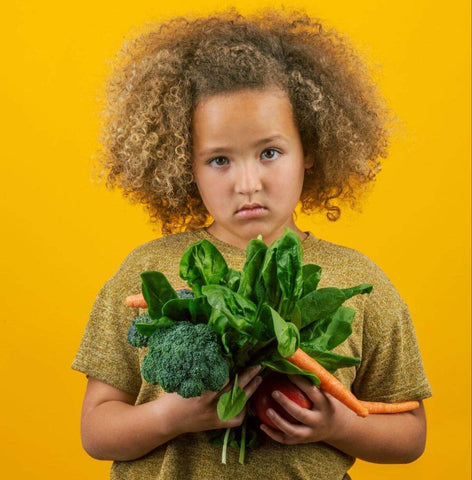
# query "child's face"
(248, 163)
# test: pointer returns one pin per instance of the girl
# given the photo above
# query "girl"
(221, 126)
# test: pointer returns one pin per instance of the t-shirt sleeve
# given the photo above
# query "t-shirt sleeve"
(104, 352)
(391, 367)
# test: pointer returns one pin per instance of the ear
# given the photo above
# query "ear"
(309, 160)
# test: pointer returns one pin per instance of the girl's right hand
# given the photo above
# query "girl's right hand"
(199, 413)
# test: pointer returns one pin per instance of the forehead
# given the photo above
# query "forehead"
(246, 113)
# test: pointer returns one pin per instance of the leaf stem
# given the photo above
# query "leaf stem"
(242, 448)
(225, 446)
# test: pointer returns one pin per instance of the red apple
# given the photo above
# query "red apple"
(263, 398)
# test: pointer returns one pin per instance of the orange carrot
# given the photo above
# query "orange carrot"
(379, 407)
(136, 301)
(329, 383)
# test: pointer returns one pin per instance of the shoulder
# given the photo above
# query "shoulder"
(173, 245)
(344, 266)
(343, 259)
(162, 254)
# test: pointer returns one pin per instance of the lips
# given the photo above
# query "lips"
(252, 210)
(250, 206)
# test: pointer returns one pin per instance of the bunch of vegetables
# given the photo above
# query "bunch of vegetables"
(270, 313)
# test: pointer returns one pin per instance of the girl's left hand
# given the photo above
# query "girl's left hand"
(319, 423)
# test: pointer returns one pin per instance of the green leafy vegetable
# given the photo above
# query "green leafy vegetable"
(202, 264)
(233, 319)
(232, 402)
(156, 291)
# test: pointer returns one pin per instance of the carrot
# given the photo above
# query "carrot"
(329, 383)
(136, 301)
(379, 407)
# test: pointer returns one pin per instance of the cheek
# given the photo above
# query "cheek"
(287, 179)
(212, 193)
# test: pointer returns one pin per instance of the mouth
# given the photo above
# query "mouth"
(253, 210)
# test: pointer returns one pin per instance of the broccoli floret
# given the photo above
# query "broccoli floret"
(134, 337)
(185, 293)
(185, 358)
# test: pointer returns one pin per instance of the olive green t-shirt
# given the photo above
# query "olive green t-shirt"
(383, 337)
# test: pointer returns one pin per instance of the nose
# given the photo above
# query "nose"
(247, 178)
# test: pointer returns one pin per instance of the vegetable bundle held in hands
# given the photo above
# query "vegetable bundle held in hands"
(271, 313)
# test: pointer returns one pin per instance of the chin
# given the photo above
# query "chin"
(255, 230)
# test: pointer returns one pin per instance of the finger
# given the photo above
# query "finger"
(243, 380)
(274, 434)
(313, 392)
(289, 432)
(248, 375)
(303, 415)
(225, 388)
(251, 387)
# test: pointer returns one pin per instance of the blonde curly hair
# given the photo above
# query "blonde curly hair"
(160, 76)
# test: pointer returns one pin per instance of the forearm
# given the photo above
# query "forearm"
(391, 438)
(115, 430)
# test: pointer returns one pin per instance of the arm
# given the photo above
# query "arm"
(114, 428)
(392, 438)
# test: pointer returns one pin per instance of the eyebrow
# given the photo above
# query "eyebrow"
(212, 151)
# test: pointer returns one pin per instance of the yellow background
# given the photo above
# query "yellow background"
(63, 236)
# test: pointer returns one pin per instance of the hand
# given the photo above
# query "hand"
(199, 413)
(317, 424)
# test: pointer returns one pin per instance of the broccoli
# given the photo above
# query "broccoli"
(134, 337)
(185, 358)
(185, 293)
(137, 339)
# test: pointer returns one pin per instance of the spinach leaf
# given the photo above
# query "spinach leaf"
(331, 331)
(202, 264)
(232, 279)
(231, 403)
(330, 360)
(156, 291)
(311, 277)
(218, 321)
(255, 255)
(148, 329)
(196, 310)
(359, 289)
(263, 330)
(269, 290)
(288, 337)
(200, 310)
(289, 258)
(279, 364)
(296, 317)
(178, 309)
(325, 301)
(239, 311)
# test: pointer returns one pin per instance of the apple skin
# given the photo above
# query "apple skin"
(263, 398)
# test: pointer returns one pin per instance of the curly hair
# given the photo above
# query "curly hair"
(160, 75)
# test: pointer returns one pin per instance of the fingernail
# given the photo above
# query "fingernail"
(276, 394)
(269, 412)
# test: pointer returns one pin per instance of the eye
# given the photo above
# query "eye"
(270, 153)
(219, 161)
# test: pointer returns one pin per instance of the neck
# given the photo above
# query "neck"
(240, 242)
